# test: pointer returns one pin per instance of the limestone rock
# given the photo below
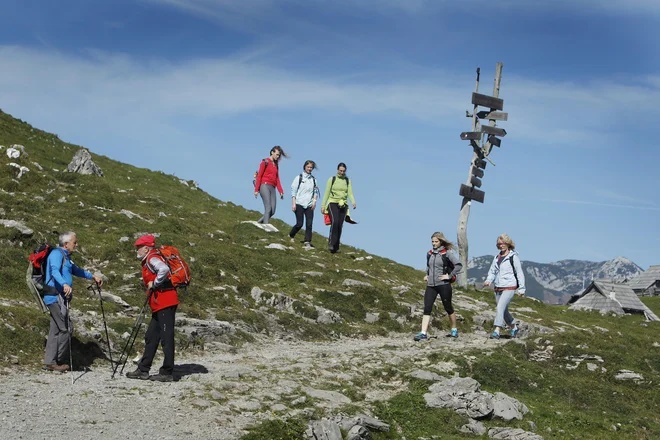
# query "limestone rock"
(513, 434)
(323, 430)
(82, 163)
(24, 230)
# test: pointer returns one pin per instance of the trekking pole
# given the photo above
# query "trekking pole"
(68, 315)
(131, 339)
(105, 324)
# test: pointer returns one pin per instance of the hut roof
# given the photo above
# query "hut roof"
(645, 279)
(608, 296)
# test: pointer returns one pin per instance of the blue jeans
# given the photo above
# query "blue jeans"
(502, 315)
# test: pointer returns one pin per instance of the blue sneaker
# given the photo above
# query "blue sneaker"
(514, 332)
(495, 335)
(421, 336)
(454, 333)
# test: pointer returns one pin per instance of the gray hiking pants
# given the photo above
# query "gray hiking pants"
(57, 347)
(269, 197)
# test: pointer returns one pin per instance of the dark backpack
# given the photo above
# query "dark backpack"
(300, 181)
(333, 182)
(256, 173)
(36, 274)
(515, 274)
(446, 263)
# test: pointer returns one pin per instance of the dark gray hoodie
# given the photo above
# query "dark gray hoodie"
(435, 266)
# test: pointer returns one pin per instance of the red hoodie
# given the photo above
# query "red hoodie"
(269, 175)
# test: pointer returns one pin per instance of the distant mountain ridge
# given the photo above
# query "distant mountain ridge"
(555, 282)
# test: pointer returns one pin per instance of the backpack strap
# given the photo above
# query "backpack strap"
(333, 182)
(514, 271)
(61, 265)
(299, 182)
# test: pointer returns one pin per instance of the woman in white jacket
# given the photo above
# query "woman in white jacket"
(506, 273)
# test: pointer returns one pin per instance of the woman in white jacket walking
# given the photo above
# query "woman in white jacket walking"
(506, 273)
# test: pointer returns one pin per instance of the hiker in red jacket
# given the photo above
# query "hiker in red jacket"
(163, 302)
(267, 181)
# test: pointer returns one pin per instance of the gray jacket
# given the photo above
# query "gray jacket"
(435, 266)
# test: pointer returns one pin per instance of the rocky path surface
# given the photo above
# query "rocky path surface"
(221, 391)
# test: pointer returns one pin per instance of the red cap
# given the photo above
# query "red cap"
(146, 240)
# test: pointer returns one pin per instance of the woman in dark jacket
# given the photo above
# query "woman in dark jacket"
(442, 266)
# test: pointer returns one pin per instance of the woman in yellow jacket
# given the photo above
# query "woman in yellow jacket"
(335, 203)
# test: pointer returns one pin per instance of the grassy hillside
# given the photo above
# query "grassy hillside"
(549, 371)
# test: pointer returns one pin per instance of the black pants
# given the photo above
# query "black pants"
(337, 217)
(432, 293)
(160, 331)
(308, 213)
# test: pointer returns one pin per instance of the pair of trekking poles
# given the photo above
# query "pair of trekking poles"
(123, 358)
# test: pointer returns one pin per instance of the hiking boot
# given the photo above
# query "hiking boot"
(293, 240)
(162, 377)
(54, 367)
(420, 336)
(514, 332)
(137, 374)
(308, 245)
(495, 335)
(454, 333)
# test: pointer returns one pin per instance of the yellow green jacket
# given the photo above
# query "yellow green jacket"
(339, 192)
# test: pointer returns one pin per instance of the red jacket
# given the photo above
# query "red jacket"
(160, 299)
(269, 175)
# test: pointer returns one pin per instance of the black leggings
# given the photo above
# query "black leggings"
(432, 293)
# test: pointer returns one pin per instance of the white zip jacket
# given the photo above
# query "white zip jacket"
(501, 275)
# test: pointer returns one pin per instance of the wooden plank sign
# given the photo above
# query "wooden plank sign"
(477, 172)
(493, 116)
(475, 181)
(472, 193)
(493, 130)
(494, 141)
(487, 101)
(479, 163)
(471, 135)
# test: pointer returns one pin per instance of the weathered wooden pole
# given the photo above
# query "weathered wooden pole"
(477, 157)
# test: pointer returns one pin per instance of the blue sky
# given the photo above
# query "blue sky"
(380, 85)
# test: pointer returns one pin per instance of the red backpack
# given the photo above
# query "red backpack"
(179, 271)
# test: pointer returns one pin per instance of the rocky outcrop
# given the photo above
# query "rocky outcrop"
(82, 163)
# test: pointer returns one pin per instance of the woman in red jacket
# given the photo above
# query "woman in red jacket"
(268, 179)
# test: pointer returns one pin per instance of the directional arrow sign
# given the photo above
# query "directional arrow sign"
(487, 101)
(493, 130)
(493, 116)
(477, 172)
(472, 193)
(471, 135)
(494, 141)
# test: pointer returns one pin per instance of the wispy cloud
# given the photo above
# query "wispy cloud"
(108, 83)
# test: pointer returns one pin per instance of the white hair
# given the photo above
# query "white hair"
(66, 237)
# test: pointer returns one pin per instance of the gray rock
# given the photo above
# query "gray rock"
(323, 430)
(313, 274)
(358, 432)
(330, 396)
(372, 317)
(278, 407)
(508, 408)
(200, 403)
(425, 375)
(628, 375)
(82, 163)
(276, 246)
(474, 427)
(349, 282)
(372, 423)
(326, 316)
(24, 230)
(512, 434)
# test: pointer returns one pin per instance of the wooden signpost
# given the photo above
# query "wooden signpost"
(482, 139)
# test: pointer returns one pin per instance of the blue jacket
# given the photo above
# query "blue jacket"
(59, 271)
(502, 273)
(304, 190)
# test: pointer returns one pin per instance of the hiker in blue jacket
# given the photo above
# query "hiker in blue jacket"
(442, 266)
(507, 274)
(304, 194)
(57, 296)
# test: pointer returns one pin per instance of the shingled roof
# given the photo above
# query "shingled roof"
(608, 296)
(645, 279)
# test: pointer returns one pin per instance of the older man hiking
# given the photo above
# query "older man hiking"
(57, 296)
(163, 301)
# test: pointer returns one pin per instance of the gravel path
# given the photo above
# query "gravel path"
(221, 391)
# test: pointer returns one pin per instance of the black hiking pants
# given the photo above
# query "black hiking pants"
(308, 213)
(337, 217)
(160, 331)
(431, 294)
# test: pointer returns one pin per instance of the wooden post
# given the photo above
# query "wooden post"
(465, 204)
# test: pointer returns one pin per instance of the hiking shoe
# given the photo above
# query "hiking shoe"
(454, 333)
(514, 332)
(162, 377)
(495, 335)
(137, 374)
(421, 336)
(55, 367)
(293, 240)
(308, 245)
